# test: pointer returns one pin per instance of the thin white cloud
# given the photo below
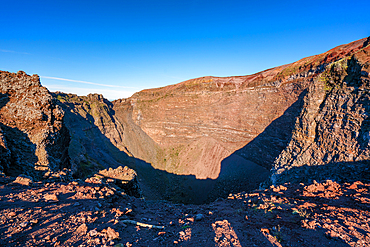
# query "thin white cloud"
(84, 82)
(110, 94)
(9, 51)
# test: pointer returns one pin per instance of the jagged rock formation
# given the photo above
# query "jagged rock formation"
(97, 140)
(93, 129)
(33, 139)
(331, 137)
(124, 177)
(218, 134)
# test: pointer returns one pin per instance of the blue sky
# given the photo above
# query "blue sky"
(120, 47)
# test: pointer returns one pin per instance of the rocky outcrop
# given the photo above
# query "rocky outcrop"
(33, 139)
(96, 135)
(124, 177)
(331, 137)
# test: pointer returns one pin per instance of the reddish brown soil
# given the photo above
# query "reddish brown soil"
(83, 214)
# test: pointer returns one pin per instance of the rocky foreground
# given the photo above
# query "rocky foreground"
(96, 213)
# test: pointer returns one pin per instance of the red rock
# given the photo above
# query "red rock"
(51, 197)
(112, 234)
(24, 180)
(12, 214)
(93, 233)
(29, 115)
(82, 229)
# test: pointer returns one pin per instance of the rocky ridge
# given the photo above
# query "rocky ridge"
(331, 137)
(33, 138)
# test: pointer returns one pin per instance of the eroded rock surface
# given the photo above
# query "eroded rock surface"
(331, 134)
(96, 141)
(33, 139)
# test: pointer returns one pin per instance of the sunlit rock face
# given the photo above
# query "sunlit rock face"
(33, 139)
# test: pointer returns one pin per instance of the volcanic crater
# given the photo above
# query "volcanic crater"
(196, 142)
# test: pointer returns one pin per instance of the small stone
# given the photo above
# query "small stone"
(112, 234)
(12, 214)
(77, 204)
(23, 180)
(198, 217)
(332, 234)
(82, 229)
(119, 245)
(34, 221)
(51, 197)
(93, 233)
(23, 224)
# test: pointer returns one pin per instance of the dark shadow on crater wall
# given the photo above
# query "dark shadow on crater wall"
(99, 153)
(267, 146)
(248, 167)
(237, 173)
(336, 171)
(18, 156)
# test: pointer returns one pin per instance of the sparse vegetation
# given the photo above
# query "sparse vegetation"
(301, 212)
(334, 74)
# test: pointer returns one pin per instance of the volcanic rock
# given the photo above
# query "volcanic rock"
(24, 180)
(124, 178)
(97, 141)
(33, 138)
(331, 135)
(96, 135)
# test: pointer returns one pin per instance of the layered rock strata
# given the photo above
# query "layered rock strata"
(253, 114)
(331, 137)
(218, 134)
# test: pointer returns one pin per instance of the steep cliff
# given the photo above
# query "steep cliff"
(331, 137)
(96, 136)
(206, 137)
(97, 141)
(33, 139)
(249, 116)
